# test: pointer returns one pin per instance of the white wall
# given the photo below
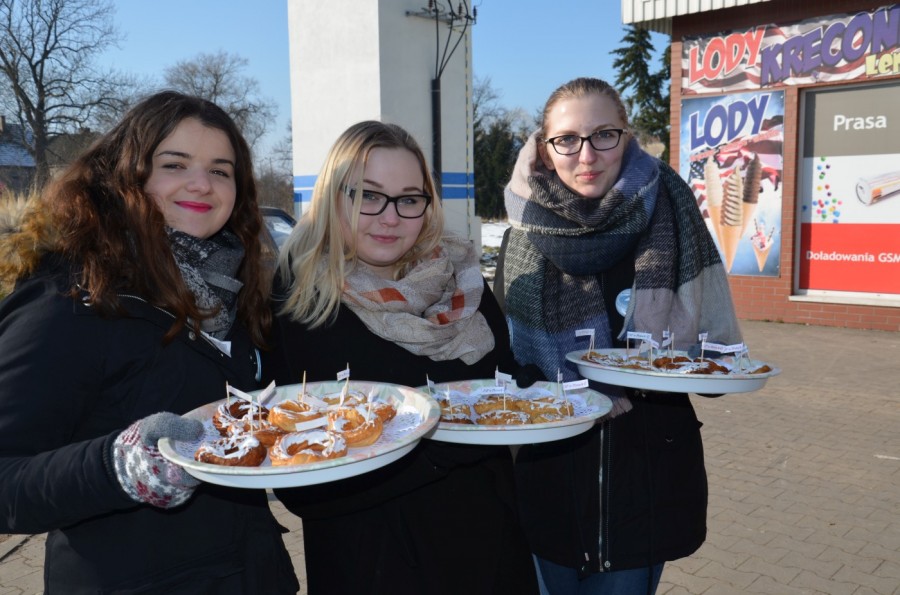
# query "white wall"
(355, 60)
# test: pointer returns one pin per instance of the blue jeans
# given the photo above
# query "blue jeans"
(562, 580)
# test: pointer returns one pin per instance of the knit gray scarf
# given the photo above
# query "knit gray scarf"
(560, 243)
(208, 268)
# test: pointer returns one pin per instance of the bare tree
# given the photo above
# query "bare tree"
(274, 182)
(47, 51)
(217, 77)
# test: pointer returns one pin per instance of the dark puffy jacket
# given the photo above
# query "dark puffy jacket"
(70, 381)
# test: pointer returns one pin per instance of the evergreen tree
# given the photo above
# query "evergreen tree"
(646, 94)
(495, 153)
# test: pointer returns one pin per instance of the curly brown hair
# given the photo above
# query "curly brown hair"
(101, 219)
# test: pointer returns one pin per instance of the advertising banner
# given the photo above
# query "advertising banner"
(845, 47)
(732, 157)
(849, 191)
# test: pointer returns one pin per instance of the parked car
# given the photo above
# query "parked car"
(279, 224)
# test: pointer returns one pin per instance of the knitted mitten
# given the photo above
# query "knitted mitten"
(145, 475)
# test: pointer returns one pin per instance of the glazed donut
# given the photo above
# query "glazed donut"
(229, 414)
(494, 402)
(264, 431)
(311, 446)
(458, 413)
(236, 450)
(502, 417)
(353, 397)
(287, 414)
(352, 425)
(385, 410)
(548, 405)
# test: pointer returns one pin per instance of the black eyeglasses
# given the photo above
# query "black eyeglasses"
(601, 140)
(409, 206)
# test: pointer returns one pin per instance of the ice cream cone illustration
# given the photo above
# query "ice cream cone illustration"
(762, 244)
(732, 217)
(713, 178)
(762, 254)
(751, 190)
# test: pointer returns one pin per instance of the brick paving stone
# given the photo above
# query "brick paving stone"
(766, 585)
(734, 577)
(780, 573)
(889, 570)
(823, 568)
(724, 589)
(882, 585)
(771, 553)
(818, 584)
(692, 583)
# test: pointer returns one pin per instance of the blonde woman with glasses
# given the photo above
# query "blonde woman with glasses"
(442, 519)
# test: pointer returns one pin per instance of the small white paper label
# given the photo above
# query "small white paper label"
(489, 390)
(575, 384)
(240, 394)
(502, 377)
(714, 347)
(343, 374)
(640, 336)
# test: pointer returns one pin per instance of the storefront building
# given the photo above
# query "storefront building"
(785, 120)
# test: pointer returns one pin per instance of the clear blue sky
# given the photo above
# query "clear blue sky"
(518, 44)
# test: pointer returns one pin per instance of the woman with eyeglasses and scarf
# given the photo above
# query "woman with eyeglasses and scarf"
(140, 291)
(442, 519)
(596, 222)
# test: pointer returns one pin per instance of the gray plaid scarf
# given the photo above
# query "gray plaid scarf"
(208, 268)
(560, 243)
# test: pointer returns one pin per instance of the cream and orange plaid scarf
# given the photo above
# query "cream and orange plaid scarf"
(433, 310)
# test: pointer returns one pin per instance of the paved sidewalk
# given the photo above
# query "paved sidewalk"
(804, 476)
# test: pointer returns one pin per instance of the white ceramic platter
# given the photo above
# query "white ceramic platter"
(417, 413)
(588, 405)
(737, 381)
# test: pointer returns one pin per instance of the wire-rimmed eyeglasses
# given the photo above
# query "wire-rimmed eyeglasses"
(409, 206)
(601, 140)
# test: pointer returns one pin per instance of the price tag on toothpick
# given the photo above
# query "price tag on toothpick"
(501, 378)
(344, 374)
(587, 332)
(737, 348)
(714, 347)
(489, 390)
(639, 336)
(667, 338)
(239, 394)
(575, 384)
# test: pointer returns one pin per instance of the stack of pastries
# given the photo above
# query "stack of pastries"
(506, 410)
(294, 432)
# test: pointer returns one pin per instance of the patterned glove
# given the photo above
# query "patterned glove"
(145, 475)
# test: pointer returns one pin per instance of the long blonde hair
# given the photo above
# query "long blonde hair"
(317, 256)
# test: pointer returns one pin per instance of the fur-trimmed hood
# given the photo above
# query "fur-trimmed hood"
(25, 236)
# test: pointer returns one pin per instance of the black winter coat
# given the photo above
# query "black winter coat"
(631, 492)
(70, 382)
(440, 520)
